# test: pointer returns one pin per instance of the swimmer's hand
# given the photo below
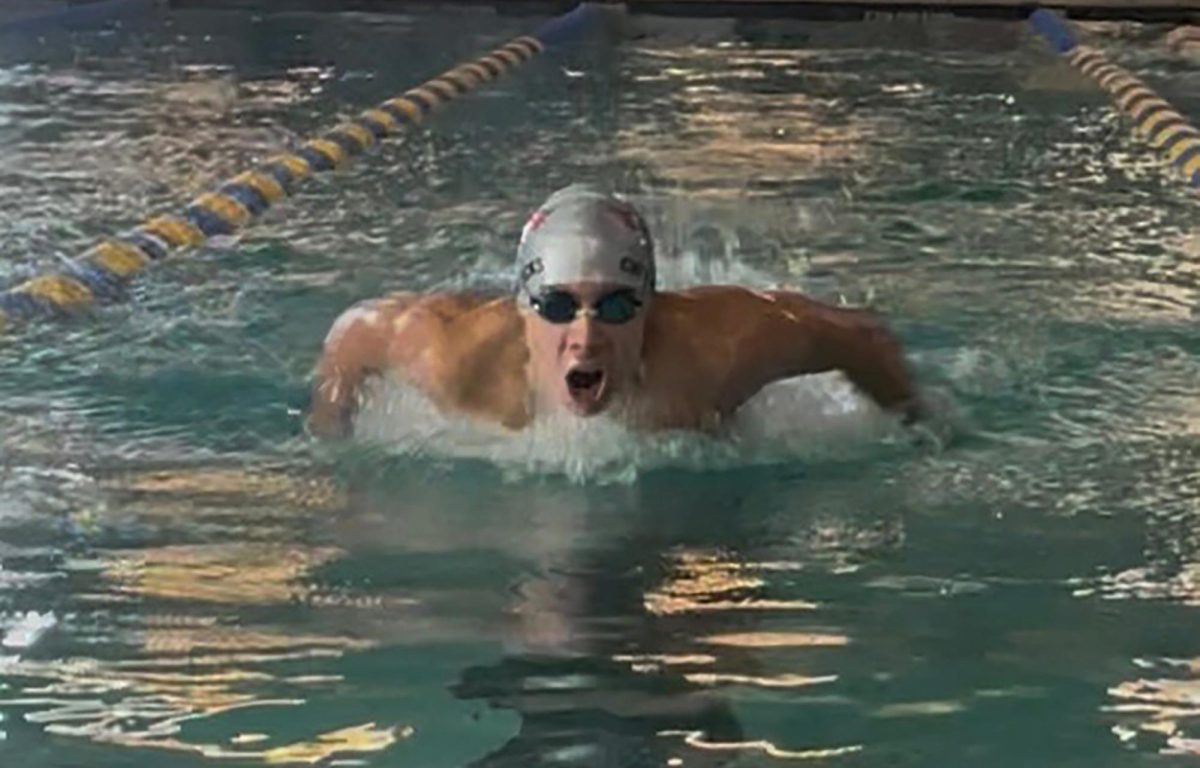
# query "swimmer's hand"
(931, 420)
(913, 411)
(334, 400)
(327, 420)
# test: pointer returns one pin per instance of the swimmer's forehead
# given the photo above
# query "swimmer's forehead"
(587, 287)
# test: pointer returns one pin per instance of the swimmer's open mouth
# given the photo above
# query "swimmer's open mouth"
(582, 381)
(586, 390)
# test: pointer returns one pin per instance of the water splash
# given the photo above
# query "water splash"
(809, 418)
(28, 629)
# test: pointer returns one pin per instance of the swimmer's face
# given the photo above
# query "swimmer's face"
(585, 344)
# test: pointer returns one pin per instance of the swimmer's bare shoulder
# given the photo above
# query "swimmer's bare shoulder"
(742, 340)
(461, 349)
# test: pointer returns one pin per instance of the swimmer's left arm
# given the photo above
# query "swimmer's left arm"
(795, 335)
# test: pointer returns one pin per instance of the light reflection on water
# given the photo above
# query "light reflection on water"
(184, 577)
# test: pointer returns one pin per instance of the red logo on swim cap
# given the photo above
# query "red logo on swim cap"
(627, 216)
(536, 220)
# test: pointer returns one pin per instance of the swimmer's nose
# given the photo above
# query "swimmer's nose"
(584, 334)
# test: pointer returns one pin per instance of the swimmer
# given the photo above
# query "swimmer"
(588, 333)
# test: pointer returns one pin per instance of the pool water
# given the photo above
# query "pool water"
(186, 579)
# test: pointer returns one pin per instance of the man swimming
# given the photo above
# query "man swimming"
(588, 333)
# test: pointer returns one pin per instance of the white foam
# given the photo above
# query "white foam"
(809, 417)
(690, 268)
(28, 629)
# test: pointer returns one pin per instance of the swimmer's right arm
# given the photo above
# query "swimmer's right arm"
(356, 347)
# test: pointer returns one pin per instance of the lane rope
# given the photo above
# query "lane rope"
(1155, 121)
(103, 272)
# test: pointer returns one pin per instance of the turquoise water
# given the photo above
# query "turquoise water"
(185, 579)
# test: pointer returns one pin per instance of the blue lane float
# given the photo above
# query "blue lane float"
(1154, 119)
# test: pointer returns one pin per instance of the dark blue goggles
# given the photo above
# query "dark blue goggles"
(562, 307)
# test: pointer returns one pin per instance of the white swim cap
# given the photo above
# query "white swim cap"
(581, 234)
